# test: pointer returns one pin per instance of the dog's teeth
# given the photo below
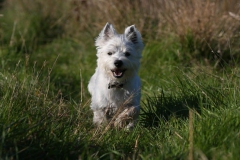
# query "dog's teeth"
(117, 73)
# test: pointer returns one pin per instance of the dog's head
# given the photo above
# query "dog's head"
(119, 54)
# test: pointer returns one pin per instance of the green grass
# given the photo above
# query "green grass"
(44, 102)
(45, 110)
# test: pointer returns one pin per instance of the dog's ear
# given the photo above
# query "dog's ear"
(107, 33)
(133, 35)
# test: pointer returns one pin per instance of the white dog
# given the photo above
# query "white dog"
(115, 85)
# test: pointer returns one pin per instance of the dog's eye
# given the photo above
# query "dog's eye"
(127, 54)
(109, 53)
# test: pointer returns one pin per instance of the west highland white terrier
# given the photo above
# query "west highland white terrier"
(115, 86)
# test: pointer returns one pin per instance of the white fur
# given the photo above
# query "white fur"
(125, 100)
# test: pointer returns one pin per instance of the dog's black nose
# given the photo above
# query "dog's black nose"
(118, 63)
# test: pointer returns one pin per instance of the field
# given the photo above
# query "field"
(190, 105)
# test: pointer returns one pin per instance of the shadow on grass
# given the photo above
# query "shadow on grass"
(160, 108)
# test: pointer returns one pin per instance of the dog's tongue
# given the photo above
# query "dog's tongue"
(117, 73)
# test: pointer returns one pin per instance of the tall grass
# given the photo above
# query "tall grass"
(47, 56)
(206, 29)
(38, 123)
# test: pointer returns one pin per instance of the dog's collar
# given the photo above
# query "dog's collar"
(115, 85)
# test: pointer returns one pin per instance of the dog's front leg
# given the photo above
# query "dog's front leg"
(127, 118)
(99, 117)
(133, 113)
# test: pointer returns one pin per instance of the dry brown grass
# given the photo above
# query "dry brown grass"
(208, 22)
(204, 18)
(205, 28)
(211, 24)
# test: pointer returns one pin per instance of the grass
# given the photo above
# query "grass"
(190, 91)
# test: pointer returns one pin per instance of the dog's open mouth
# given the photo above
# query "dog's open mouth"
(118, 73)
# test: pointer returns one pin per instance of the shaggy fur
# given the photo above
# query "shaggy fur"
(115, 85)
